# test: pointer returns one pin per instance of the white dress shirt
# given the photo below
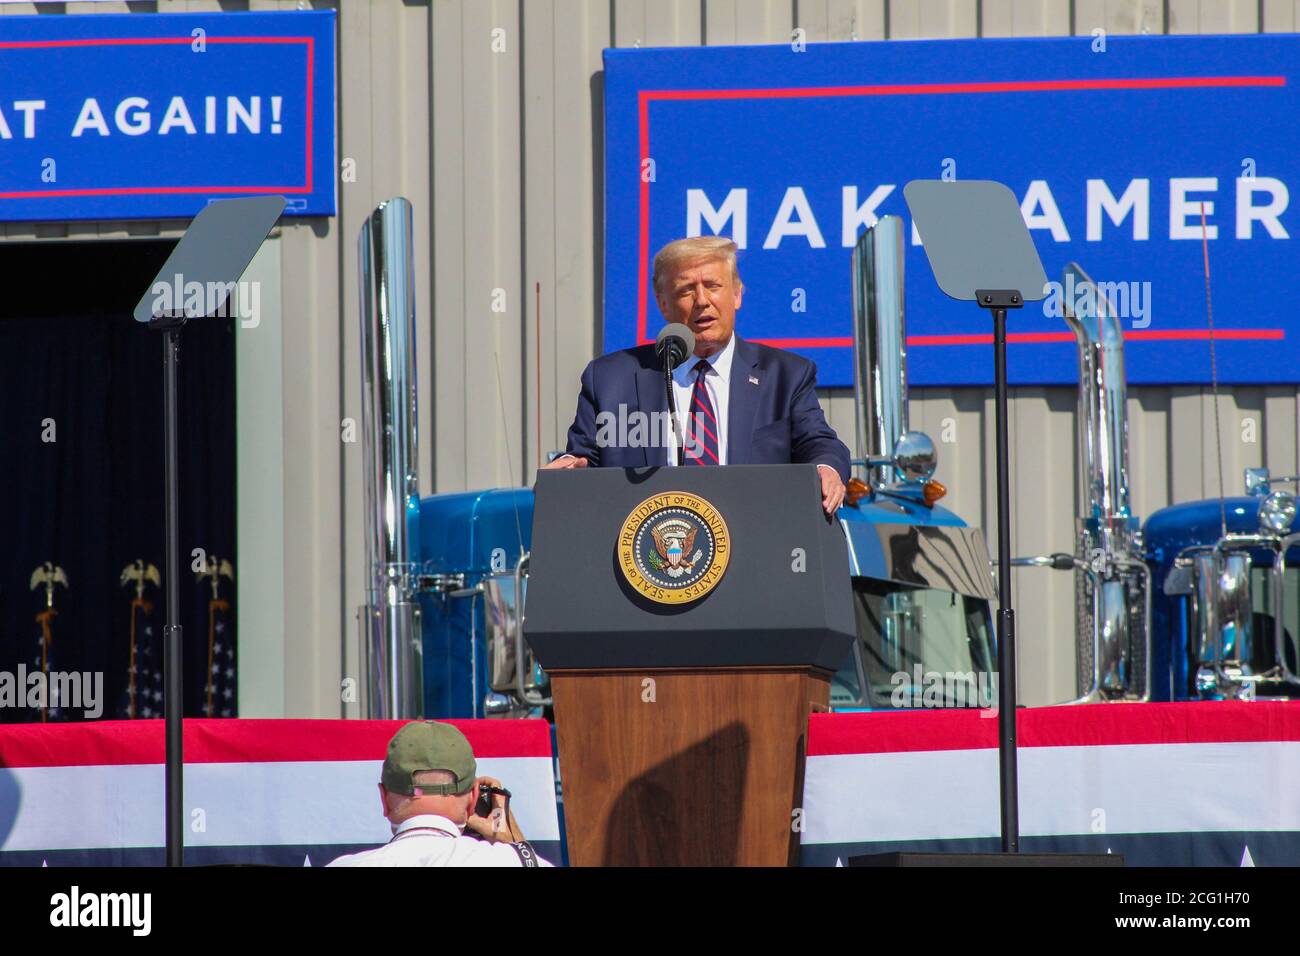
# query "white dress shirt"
(718, 381)
(430, 840)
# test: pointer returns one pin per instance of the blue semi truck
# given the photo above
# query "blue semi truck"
(1202, 602)
(1229, 606)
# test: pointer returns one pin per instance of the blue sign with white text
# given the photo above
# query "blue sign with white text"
(153, 116)
(1140, 158)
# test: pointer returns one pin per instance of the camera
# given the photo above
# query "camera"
(483, 808)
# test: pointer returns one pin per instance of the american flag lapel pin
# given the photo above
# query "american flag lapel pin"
(753, 380)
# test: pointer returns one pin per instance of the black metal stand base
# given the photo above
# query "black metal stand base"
(987, 859)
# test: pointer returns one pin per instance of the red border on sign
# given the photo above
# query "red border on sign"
(309, 42)
(644, 98)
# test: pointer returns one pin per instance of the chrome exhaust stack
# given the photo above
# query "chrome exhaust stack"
(1112, 581)
(1113, 634)
(890, 451)
(391, 651)
(1103, 415)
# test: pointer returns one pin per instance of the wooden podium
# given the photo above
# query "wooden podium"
(682, 725)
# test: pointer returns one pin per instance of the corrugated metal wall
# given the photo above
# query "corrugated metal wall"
(500, 151)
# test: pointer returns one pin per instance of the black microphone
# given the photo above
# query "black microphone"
(674, 344)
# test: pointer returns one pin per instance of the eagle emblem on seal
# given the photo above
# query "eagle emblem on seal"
(674, 539)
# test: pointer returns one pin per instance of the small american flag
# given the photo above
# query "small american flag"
(43, 662)
(142, 698)
(222, 677)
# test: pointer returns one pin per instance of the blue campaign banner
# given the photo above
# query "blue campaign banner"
(152, 116)
(1114, 145)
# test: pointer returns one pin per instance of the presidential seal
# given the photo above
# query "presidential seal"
(674, 547)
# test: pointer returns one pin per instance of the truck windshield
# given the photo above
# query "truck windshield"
(916, 647)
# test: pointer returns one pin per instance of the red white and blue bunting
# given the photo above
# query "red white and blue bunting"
(296, 792)
(1186, 784)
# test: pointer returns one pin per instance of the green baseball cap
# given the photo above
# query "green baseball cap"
(428, 745)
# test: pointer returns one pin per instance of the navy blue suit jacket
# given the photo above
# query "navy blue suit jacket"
(774, 421)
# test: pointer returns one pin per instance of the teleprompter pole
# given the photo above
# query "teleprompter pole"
(998, 301)
(173, 705)
(215, 251)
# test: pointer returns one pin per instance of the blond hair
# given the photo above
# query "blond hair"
(680, 252)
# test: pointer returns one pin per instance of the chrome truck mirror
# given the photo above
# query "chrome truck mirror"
(1257, 482)
(512, 669)
(913, 462)
(1223, 623)
(501, 619)
(915, 457)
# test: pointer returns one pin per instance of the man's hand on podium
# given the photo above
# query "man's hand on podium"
(567, 461)
(832, 489)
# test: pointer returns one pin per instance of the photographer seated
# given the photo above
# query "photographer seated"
(431, 794)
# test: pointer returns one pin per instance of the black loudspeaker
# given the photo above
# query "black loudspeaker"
(987, 859)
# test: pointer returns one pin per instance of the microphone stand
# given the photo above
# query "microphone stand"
(669, 365)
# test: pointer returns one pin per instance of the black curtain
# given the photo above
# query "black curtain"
(73, 360)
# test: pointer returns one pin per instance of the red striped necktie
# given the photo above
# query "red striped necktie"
(701, 424)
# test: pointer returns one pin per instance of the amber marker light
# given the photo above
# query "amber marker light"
(856, 490)
(932, 491)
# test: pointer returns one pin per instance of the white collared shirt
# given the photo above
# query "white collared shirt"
(718, 381)
(430, 840)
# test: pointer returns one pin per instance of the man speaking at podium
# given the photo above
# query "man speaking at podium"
(738, 403)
